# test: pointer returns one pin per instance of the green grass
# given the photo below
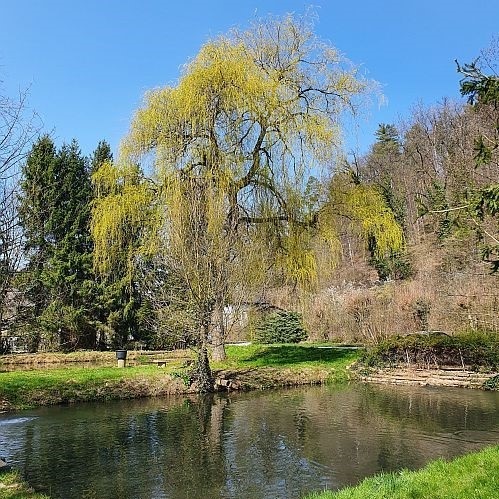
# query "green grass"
(24, 389)
(268, 366)
(13, 487)
(277, 365)
(288, 355)
(474, 476)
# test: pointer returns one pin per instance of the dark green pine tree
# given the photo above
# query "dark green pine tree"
(68, 274)
(101, 154)
(59, 285)
(35, 207)
(386, 152)
(387, 136)
(383, 164)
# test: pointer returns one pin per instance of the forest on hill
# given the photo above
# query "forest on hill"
(231, 200)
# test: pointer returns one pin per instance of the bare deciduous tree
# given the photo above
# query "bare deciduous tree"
(17, 130)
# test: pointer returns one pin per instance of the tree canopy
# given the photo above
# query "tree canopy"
(482, 91)
(229, 149)
(54, 213)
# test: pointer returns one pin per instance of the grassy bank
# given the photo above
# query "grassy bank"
(477, 350)
(474, 476)
(24, 389)
(267, 366)
(13, 487)
(248, 367)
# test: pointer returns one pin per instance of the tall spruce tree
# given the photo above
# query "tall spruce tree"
(383, 169)
(383, 162)
(101, 155)
(68, 274)
(55, 210)
(34, 211)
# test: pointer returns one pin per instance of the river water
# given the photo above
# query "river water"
(271, 444)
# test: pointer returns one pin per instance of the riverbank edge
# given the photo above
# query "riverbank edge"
(442, 376)
(157, 383)
(473, 475)
(12, 486)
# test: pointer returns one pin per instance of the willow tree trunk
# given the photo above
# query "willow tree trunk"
(203, 369)
(218, 336)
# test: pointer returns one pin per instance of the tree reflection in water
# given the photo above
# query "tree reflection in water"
(261, 444)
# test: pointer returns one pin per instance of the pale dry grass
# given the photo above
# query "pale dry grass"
(448, 292)
(89, 356)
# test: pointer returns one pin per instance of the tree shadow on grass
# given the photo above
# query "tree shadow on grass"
(279, 355)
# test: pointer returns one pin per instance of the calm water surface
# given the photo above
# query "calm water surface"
(279, 444)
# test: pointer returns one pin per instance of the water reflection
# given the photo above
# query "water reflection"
(260, 444)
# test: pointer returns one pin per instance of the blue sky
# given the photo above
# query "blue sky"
(88, 63)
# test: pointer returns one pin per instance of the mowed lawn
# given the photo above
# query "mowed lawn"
(29, 388)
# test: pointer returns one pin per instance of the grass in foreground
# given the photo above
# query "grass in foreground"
(13, 487)
(474, 476)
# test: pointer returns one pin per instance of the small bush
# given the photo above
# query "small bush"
(396, 266)
(281, 327)
(492, 383)
(421, 313)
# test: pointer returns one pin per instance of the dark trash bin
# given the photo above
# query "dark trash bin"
(121, 357)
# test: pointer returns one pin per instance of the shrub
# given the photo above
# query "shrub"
(474, 349)
(395, 266)
(421, 313)
(281, 327)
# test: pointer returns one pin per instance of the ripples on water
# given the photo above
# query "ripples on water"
(261, 444)
(16, 421)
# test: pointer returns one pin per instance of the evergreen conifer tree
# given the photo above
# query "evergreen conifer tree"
(68, 274)
(34, 209)
(101, 154)
(55, 211)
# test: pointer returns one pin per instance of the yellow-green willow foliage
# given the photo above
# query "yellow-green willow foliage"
(252, 114)
(368, 213)
(123, 217)
(231, 146)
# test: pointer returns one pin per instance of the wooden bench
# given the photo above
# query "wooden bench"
(159, 362)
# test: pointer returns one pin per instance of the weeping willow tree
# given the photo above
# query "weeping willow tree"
(231, 147)
(367, 213)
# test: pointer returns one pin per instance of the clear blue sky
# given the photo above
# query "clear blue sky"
(88, 63)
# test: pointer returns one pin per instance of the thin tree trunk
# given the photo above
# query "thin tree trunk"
(218, 352)
(218, 336)
(204, 376)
